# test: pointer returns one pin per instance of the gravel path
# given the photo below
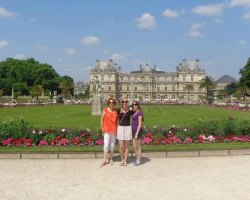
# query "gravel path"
(188, 178)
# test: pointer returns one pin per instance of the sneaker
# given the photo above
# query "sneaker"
(137, 163)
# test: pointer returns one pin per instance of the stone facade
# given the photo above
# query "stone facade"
(148, 83)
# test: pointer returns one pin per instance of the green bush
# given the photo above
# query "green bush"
(207, 127)
(244, 127)
(229, 126)
(14, 129)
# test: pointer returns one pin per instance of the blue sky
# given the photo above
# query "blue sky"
(72, 35)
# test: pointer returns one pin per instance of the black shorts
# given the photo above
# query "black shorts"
(139, 134)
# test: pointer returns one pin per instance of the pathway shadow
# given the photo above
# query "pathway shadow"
(131, 159)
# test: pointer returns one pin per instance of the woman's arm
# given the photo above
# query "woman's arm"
(139, 126)
(102, 117)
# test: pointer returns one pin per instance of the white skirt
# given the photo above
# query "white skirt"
(124, 133)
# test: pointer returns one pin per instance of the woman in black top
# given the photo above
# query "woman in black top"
(124, 131)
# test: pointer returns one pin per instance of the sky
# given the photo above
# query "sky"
(71, 35)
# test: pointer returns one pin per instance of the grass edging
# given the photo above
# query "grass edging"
(145, 148)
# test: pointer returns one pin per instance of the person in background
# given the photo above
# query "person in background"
(124, 131)
(137, 119)
(109, 121)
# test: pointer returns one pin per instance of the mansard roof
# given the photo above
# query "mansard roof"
(146, 68)
(226, 79)
(189, 66)
(106, 66)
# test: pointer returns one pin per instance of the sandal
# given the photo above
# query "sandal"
(125, 164)
(122, 163)
(103, 164)
(111, 162)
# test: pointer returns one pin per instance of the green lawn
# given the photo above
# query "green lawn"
(79, 116)
(145, 148)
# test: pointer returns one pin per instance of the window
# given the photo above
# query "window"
(102, 78)
(173, 88)
(192, 78)
(127, 88)
(166, 88)
(173, 96)
(135, 88)
(173, 78)
(120, 88)
(121, 78)
(158, 88)
(184, 78)
(109, 87)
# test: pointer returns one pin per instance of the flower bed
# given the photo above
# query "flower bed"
(18, 133)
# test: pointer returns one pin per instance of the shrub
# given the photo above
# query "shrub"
(229, 126)
(244, 127)
(207, 128)
(14, 129)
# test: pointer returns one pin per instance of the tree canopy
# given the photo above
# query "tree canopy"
(25, 74)
(245, 75)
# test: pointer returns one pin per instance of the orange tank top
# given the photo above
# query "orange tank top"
(110, 121)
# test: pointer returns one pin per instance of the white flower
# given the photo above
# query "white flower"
(211, 138)
(63, 130)
(40, 132)
(185, 130)
(173, 126)
(34, 131)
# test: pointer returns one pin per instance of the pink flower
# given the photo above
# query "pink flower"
(147, 140)
(188, 140)
(43, 143)
(64, 142)
(99, 142)
(7, 142)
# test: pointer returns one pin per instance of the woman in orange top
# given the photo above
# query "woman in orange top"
(109, 129)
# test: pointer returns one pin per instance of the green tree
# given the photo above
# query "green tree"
(221, 94)
(66, 87)
(207, 83)
(36, 91)
(28, 72)
(189, 88)
(231, 88)
(245, 75)
(243, 91)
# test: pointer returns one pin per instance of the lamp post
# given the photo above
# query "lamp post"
(12, 93)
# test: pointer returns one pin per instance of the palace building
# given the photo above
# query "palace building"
(148, 83)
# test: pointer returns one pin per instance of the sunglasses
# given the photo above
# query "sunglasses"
(124, 101)
(111, 102)
(135, 104)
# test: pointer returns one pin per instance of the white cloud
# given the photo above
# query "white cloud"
(40, 47)
(19, 56)
(6, 13)
(3, 44)
(146, 21)
(242, 42)
(195, 30)
(173, 13)
(70, 51)
(90, 40)
(246, 16)
(118, 57)
(209, 10)
(245, 3)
